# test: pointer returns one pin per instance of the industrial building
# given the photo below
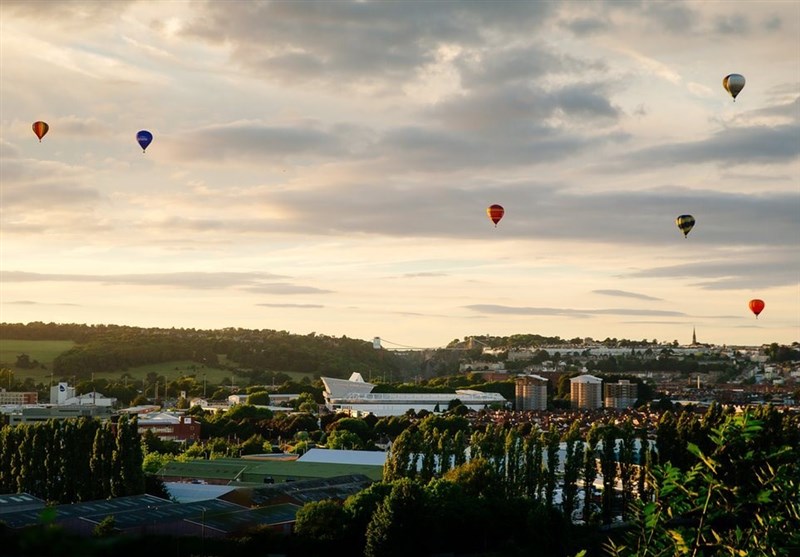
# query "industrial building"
(355, 396)
(586, 392)
(531, 392)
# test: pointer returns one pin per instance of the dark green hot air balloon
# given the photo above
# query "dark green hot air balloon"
(685, 223)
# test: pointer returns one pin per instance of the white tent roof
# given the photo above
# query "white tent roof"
(338, 456)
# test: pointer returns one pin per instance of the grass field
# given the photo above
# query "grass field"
(45, 351)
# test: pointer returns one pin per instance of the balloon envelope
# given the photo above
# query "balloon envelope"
(40, 128)
(756, 306)
(495, 213)
(144, 138)
(733, 83)
(685, 223)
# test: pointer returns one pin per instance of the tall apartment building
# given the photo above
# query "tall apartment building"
(531, 392)
(622, 394)
(585, 391)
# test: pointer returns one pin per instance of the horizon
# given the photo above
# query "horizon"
(321, 166)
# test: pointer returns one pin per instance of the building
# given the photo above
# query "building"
(169, 426)
(531, 392)
(622, 394)
(355, 396)
(64, 395)
(60, 393)
(586, 392)
(18, 398)
(33, 414)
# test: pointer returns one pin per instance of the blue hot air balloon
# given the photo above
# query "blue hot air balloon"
(144, 138)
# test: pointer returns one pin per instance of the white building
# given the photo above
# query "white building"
(586, 392)
(355, 395)
(64, 395)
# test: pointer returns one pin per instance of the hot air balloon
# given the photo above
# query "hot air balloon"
(733, 84)
(40, 129)
(495, 213)
(756, 306)
(685, 223)
(144, 138)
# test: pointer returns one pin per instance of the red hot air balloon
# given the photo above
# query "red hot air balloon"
(495, 213)
(756, 306)
(40, 128)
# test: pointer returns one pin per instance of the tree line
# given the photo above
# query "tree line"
(104, 348)
(716, 484)
(67, 461)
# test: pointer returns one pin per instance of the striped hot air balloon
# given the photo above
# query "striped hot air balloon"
(495, 213)
(685, 223)
(40, 129)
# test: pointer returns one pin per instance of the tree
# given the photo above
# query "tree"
(322, 521)
(398, 527)
(258, 398)
(608, 467)
(589, 470)
(572, 466)
(700, 511)
(105, 527)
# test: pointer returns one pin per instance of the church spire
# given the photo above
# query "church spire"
(694, 336)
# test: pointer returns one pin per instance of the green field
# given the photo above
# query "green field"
(45, 351)
(42, 351)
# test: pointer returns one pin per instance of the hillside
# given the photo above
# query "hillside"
(88, 349)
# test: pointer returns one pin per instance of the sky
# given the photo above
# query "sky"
(325, 167)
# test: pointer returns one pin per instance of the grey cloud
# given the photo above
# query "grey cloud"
(285, 288)
(749, 271)
(625, 294)
(545, 212)
(366, 41)
(773, 23)
(195, 280)
(586, 26)
(736, 146)
(259, 141)
(517, 64)
(732, 24)
(789, 111)
(29, 197)
(519, 109)
(32, 303)
(567, 312)
(676, 17)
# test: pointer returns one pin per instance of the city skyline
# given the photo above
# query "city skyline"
(326, 167)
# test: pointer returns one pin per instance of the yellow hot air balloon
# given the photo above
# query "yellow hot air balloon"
(685, 223)
(733, 83)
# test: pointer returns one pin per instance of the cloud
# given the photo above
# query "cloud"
(345, 42)
(567, 312)
(67, 12)
(255, 140)
(195, 280)
(299, 306)
(285, 288)
(624, 294)
(32, 303)
(735, 146)
(746, 271)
